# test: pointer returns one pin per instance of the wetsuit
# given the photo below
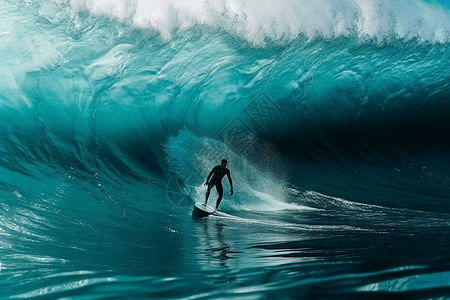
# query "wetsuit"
(217, 173)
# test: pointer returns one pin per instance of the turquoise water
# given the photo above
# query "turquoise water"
(333, 116)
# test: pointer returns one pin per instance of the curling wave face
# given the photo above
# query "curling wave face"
(86, 68)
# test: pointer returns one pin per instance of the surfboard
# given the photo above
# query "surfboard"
(201, 210)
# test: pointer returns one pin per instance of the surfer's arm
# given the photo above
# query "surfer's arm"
(230, 181)
(209, 176)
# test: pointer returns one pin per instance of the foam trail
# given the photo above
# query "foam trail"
(282, 21)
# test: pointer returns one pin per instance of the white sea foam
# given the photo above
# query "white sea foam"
(282, 21)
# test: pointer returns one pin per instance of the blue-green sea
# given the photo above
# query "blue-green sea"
(333, 116)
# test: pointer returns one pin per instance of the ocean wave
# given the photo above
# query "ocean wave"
(95, 91)
(333, 116)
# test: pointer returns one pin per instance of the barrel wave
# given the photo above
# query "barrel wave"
(333, 116)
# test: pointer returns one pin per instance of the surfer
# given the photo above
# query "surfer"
(216, 175)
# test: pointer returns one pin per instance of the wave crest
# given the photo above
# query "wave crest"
(260, 21)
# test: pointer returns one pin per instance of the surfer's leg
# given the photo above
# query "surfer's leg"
(207, 194)
(219, 189)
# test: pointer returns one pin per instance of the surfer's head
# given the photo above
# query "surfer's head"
(224, 162)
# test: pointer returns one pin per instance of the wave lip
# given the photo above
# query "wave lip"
(282, 21)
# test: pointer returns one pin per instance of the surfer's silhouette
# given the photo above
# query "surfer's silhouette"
(216, 175)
